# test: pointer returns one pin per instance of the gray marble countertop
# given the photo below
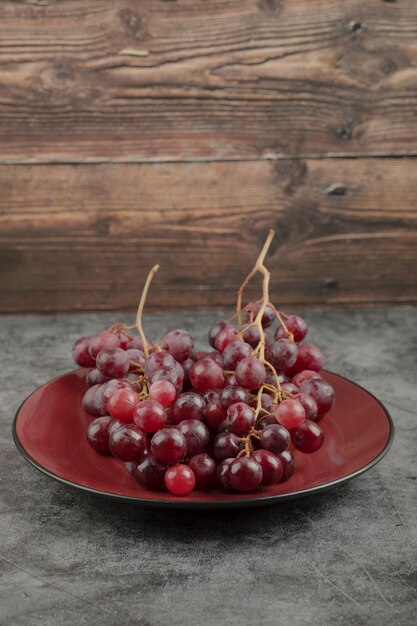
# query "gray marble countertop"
(348, 556)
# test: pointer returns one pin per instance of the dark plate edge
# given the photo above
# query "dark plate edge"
(180, 503)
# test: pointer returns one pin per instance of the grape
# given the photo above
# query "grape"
(290, 388)
(95, 377)
(235, 352)
(127, 443)
(290, 413)
(250, 373)
(283, 354)
(232, 394)
(245, 474)
(113, 363)
(271, 465)
(114, 426)
(156, 360)
(188, 405)
(268, 315)
(136, 357)
(215, 329)
(170, 374)
(214, 413)
(163, 391)
(88, 401)
(104, 392)
(150, 474)
(240, 418)
(308, 437)
(149, 415)
(122, 403)
(226, 445)
(275, 438)
(226, 336)
(222, 474)
(196, 435)
(305, 375)
(179, 343)
(136, 343)
(288, 463)
(186, 366)
(266, 420)
(168, 446)
(251, 336)
(80, 352)
(310, 406)
(215, 356)
(204, 468)
(102, 341)
(322, 392)
(206, 374)
(310, 357)
(296, 325)
(267, 403)
(98, 434)
(231, 380)
(179, 480)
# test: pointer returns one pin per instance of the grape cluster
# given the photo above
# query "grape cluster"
(233, 418)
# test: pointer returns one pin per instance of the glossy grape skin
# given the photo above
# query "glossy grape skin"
(179, 480)
(240, 418)
(275, 438)
(149, 415)
(251, 336)
(268, 315)
(310, 357)
(127, 443)
(130, 467)
(88, 401)
(150, 474)
(266, 420)
(136, 343)
(114, 426)
(288, 463)
(235, 352)
(204, 468)
(222, 474)
(305, 375)
(283, 354)
(104, 392)
(102, 341)
(163, 392)
(214, 413)
(168, 446)
(174, 375)
(296, 325)
(113, 362)
(232, 394)
(188, 405)
(225, 337)
(136, 357)
(226, 445)
(156, 360)
(310, 406)
(271, 465)
(122, 403)
(206, 374)
(186, 366)
(322, 392)
(98, 434)
(179, 343)
(81, 354)
(290, 388)
(196, 435)
(290, 413)
(245, 474)
(308, 437)
(250, 373)
(95, 377)
(215, 329)
(215, 356)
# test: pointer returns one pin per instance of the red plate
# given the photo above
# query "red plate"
(49, 431)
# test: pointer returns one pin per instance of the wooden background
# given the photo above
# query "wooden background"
(179, 131)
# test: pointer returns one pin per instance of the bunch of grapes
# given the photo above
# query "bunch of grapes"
(232, 418)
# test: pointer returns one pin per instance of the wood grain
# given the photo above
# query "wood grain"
(108, 80)
(84, 236)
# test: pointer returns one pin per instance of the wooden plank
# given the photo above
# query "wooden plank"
(243, 79)
(84, 236)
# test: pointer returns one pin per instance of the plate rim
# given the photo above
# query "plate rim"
(177, 502)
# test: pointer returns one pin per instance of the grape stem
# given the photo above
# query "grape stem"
(141, 307)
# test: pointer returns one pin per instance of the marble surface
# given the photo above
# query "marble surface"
(344, 557)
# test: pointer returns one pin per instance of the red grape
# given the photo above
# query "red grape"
(80, 352)
(235, 352)
(288, 463)
(98, 434)
(174, 375)
(149, 415)
(322, 392)
(113, 362)
(136, 343)
(268, 315)
(240, 418)
(215, 329)
(156, 360)
(215, 356)
(251, 336)
(271, 465)
(310, 357)
(150, 474)
(283, 354)
(206, 374)
(127, 443)
(290, 388)
(250, 373)
(122, 403)
(245, 474)
(179, 480)
(104, 392)
(222, 474)
(214, 413)
(95, 377)
(266, 420)
(310, 406)
(305, 375)
(168, 446)
(196, 435)
(226, 336)
(275, 438)
(232, 394)
(163, 391)
(89, 400)
(290, 413)
(204, 468)
(296, 325)
(179, 343)
(102, 341)
(136, 357)
(308, 437)
(226, 445)
(188, 405)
